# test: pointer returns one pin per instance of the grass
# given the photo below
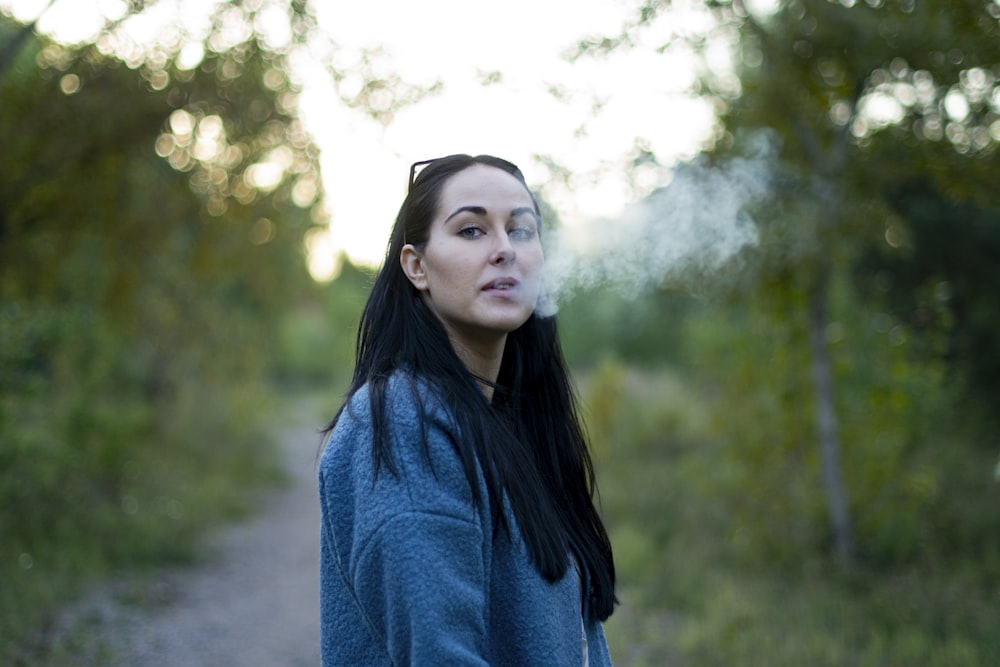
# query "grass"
(74, 527)
(694, 590)
(695, 594)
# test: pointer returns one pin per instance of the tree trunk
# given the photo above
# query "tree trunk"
(827, 431)
(828, 166)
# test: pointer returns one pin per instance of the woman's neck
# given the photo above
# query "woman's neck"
(483, 361)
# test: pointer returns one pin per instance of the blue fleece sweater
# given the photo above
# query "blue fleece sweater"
(412, 573)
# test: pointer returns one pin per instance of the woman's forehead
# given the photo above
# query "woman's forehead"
(482, 185)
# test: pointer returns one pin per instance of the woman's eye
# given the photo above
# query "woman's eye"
(470, 232)
(523, 232)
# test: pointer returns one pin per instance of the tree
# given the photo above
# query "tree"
(830, 78)
(154, 197)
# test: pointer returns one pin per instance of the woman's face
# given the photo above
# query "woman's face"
(480, 271)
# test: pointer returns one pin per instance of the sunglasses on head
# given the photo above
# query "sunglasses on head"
(418, 167)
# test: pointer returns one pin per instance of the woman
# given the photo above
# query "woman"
(456, 488)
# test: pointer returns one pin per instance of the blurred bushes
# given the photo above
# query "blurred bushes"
(105, 463)
(316, 340)
(702, 414)
(888, 401)
(943, 285)
(641, 327)
(713, 572)
(138, 331)
(745, 351)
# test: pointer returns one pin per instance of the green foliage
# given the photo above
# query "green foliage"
(601, 321)
(641, 426)
(317, 339)
(881, 216)
(942, 279)
(96, 473)
(139, 300)
(852, 126)
(696, 591)
(757, 351)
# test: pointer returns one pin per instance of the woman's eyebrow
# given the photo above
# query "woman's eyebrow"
(481, 210)
(524, 209)
(478, 210)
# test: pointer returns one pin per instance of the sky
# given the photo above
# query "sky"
(365, 165)
(525, 41)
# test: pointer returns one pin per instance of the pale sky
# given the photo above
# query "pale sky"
(365, 166)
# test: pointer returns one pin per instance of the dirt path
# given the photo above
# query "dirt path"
(252, 603)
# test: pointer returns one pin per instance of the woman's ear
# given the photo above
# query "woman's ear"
(412, 263)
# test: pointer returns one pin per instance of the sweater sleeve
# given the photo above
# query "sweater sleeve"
(411, 544)
(423, 580)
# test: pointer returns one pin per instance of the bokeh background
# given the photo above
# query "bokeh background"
(778, 226)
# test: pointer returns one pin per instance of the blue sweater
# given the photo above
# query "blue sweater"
(413, 573)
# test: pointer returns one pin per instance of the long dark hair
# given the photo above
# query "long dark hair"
(527, 443)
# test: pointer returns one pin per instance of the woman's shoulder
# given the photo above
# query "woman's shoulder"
(404, 399)
(404, 409)
(417, 462)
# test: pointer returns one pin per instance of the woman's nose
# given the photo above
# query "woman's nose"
(503, 251)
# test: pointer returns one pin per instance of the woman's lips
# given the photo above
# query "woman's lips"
(501, 283)
(501, 286)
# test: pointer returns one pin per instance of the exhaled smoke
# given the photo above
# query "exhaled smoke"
(696, 224)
